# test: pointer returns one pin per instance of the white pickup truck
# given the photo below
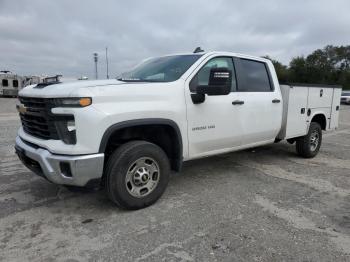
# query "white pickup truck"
(127, 134)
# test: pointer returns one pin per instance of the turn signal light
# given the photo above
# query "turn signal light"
(86, 101)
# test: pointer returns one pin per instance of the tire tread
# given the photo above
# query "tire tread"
(302, 143)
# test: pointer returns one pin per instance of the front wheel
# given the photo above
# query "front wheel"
(137, 174)
(309, 145)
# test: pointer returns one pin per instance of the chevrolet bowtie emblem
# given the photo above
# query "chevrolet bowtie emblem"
(21, 109)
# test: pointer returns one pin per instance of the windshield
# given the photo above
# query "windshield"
(160, 69)
(345, 94)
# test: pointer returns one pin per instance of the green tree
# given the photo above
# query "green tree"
(281, 70)
(297, 70)
(330, 65)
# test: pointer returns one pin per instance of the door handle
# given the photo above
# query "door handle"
(237, 102)
(276, 101)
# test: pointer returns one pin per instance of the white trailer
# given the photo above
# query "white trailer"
(10, 83)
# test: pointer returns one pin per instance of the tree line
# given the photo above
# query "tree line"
(330, 65)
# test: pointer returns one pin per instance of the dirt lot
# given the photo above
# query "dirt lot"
(265, 204)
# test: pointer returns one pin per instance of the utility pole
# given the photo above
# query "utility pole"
(107, 62)
(95, 60)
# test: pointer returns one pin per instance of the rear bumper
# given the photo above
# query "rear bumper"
(60, 169)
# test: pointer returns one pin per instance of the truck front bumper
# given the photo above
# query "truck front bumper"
(77, 170)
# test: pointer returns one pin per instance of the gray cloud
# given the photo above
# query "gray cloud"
(51, 37)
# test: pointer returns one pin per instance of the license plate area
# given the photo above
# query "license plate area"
(28, 162)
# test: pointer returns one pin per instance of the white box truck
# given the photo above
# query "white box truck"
(127, 134)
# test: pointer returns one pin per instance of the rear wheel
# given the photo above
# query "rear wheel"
(137, 174)
(309, 145)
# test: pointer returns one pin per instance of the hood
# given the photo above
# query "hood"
(66, 89)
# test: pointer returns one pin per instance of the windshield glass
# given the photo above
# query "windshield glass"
(345, 94)
(160, 69)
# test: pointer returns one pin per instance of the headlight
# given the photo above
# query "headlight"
(72, 102)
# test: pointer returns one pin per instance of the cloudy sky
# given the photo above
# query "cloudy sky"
(59, 37)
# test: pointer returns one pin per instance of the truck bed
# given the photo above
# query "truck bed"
(301, 102)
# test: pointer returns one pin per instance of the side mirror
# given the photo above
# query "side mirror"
(220, 81)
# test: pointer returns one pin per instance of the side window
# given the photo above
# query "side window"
(202, 76)
(15, 83)
(256, 76)
(5, 82)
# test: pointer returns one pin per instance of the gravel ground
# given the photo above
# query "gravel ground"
(265, 204)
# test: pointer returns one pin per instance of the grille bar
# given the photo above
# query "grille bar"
(32, 121)
(42, 128)
(33, 102)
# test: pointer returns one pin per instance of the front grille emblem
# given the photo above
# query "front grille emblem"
(21, 109)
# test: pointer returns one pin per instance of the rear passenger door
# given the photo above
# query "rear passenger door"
(262, 101)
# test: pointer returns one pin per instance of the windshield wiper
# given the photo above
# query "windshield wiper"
(140, 80)
(129, 79)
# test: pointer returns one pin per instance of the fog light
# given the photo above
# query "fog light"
(71, 125)
(65, 169)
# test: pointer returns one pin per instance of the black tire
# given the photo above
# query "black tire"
(122, 161)
(305, 146)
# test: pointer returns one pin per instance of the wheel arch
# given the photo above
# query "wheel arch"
(321, 119)
(174, 137)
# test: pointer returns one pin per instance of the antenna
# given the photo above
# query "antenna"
(95, 60)
(198, 50)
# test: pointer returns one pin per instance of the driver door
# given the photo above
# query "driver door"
(214, 125)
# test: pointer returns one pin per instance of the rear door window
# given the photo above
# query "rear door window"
(255, 75)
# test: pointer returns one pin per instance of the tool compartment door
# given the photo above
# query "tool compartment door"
(297, 107)
(320, 97)
(335, 108)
